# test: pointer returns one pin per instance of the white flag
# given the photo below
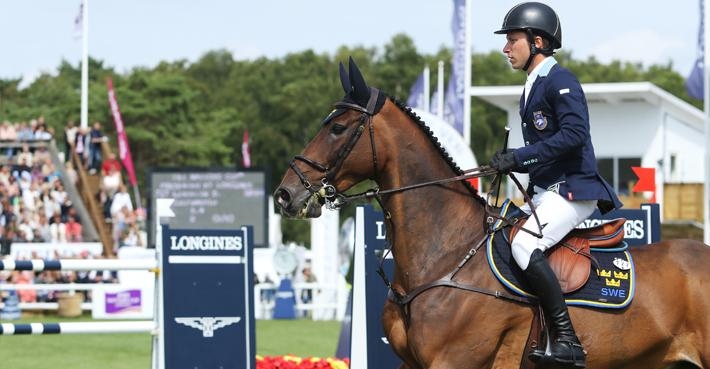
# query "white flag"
(246, 152)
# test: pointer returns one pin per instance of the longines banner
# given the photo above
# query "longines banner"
(208, 298)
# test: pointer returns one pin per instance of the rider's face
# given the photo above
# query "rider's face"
(517, 49)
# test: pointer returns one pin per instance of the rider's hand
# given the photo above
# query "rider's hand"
(503, 160)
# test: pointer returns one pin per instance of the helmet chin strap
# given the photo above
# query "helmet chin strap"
(533, 49)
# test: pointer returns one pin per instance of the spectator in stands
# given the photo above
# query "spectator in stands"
(110, 183)
(8, 133)
(49, 204)
(26, 191)
(131, 237)
(61, 197)
(5, 131)
(24, 132)
(308, 277)
(49, 173)
(41, 155)
(21, 168)
(42, 133)
(24, 277)
(13, 189)
(5, 175)
(7, 216)
(97, 139)
(25, 156)
(122, 215)
(25, 227)
(121, 199)
(73, 230)
(70, 132)
(111, 162)
(57, 229)
(81, 146)
(5, 242)
(43, 232)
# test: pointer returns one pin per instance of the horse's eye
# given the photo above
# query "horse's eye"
(337, 129)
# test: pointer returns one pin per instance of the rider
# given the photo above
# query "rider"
(558, 156)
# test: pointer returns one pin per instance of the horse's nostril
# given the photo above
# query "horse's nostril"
(283, 197)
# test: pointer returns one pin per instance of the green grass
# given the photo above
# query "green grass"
(132, 351)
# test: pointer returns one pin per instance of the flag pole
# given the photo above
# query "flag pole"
(440, 90)
(706, 105)
(426, 88)
(85, 65)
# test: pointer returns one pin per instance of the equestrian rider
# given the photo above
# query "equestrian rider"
(558, 156)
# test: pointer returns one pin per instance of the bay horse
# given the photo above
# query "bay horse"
(431, 228)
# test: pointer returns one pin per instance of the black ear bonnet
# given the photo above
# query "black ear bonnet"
(358, 95)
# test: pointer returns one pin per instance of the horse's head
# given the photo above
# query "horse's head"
(336, 158)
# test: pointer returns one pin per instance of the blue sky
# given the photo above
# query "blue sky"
(38, 34)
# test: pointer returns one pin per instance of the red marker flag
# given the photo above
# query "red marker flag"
(647, 179)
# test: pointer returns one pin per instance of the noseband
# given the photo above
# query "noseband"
(327, 192)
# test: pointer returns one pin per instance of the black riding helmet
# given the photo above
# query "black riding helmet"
(535, 19)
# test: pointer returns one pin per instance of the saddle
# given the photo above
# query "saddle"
(571, 258)
(571, 261)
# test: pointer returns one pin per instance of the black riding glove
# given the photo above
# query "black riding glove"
(503, 161)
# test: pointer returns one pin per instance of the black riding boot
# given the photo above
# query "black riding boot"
(566, 348)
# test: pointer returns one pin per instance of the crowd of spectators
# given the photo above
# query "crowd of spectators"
(35, 207)
(35, 204)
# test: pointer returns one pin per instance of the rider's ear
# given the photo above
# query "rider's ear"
(360, 90)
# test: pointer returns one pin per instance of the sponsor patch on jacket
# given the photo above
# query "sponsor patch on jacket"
(539, 120)
(564, 91)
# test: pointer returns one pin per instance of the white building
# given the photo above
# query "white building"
(633, 124)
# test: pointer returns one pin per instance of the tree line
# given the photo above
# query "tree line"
(182, 113)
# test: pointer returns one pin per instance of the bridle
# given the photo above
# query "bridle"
(330, 195)
(327, 192)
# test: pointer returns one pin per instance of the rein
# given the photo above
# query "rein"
(333, 199)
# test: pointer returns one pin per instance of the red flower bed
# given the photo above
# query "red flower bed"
(295, 362)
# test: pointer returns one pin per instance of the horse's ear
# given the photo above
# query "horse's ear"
(345, 79)
(360, 90)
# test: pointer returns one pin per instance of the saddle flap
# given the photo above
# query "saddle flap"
(570, 259)
(571, 262)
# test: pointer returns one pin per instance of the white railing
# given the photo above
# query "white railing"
(323, 304)
(49, 306)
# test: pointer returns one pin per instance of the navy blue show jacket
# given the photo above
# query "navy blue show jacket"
(558, 152)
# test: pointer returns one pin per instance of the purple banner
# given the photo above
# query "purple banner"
(694, 84)
(416, 93)
(129, 300)
(455, 90)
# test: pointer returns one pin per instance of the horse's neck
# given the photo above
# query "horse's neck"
(434, 226)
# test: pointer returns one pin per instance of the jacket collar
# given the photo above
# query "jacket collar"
(542, 70)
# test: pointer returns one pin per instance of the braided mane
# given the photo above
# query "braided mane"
(435, 141)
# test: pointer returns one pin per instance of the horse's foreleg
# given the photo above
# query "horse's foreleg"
(395, 329)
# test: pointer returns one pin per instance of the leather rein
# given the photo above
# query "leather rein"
(333, 199)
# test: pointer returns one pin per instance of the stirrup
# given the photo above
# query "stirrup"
(536, 355)
(575, 348)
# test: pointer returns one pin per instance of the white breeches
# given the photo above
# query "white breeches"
(558, 217)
